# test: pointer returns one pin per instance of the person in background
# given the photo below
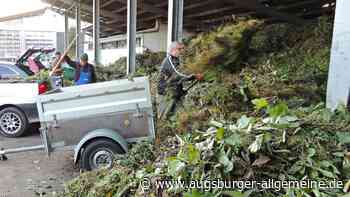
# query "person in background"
(84, 71)
(58, 71)
(170, 81)
(57, 75)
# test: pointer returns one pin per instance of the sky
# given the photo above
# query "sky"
(19, 6)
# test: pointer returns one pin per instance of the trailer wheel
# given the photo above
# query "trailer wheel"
(13, 122)
(100, 154)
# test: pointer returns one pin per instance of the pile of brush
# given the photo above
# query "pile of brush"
(255, 117)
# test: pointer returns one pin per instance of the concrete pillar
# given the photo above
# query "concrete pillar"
(175, 20)
(339, 70)
(96, 30)
(66, 30)
(78, 30)
(82, 41)
(131, 36)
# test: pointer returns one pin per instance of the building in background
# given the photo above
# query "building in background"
(37, 29)
(10, 44)
(15, 42)
(45, 28)
(115, 47)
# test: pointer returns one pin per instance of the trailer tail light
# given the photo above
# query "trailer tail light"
(43, 88)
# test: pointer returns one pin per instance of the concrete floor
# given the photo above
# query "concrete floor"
(33, 173)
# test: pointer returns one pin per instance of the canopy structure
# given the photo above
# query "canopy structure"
(112, 17)
(198, 15)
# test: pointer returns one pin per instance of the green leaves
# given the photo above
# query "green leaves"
(175, 166)
(216, 123)
(343, 137)
(260, 103)
(220, 133)
(259, 138)
(278, 110)
(243, 122)
(193, 155)
(327, 173)
(311, 152)
(315, 168)
(233, 140)
(326, 115)
(296, 167)
(286, 145)
(237, 193)
(256, 145)
(225, 161)
(190, 154)
(195, 193)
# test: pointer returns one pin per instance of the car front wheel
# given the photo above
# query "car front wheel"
(13, 122)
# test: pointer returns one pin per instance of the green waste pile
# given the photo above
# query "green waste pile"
(279, 144)
(41, 76)
(255, 117)
(223, 49)
(146, 63)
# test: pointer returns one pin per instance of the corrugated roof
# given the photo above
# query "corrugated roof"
(199, 15)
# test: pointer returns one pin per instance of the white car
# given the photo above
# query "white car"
(17, 100)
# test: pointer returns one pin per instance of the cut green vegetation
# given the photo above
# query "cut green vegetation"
(257, 116)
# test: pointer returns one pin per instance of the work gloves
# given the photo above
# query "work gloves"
(199, 77)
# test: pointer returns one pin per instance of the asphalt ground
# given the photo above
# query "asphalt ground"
(34, 173)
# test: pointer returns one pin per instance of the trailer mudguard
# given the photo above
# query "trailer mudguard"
(100, 133)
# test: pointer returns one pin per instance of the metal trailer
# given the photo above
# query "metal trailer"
(96, 120)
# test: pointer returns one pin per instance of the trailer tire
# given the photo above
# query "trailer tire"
(13, 122)
(100, 153)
